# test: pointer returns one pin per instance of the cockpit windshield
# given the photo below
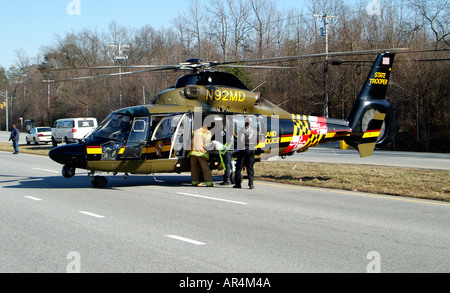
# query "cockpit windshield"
(114, 127)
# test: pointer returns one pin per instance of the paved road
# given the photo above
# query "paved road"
(4, 137)
(161, 224)
(324, 154)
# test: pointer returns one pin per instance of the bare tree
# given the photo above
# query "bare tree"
(239, 13)
(219, 27)
(263, 12)
(436, 14)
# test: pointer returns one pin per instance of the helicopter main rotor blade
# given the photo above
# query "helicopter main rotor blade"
(110, 67)
(312, 55)
(198, 64)
(253, 66)
(108, 75)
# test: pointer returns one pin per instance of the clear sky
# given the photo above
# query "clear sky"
(29, 25)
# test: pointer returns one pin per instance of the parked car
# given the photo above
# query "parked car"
(71, 130)
(39, 135)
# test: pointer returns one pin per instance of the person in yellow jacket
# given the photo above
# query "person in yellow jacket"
(199, 157)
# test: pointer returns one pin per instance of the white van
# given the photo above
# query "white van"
(72, 129)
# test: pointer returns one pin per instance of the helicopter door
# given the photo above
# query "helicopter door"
(164, 137)
(137, 139)
(181, 138)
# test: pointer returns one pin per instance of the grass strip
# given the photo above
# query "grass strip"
(406, 182)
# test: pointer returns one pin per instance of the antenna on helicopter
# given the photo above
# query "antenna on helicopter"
(258, 86)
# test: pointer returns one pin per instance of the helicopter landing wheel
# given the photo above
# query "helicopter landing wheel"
(99, 182)
(68, 171)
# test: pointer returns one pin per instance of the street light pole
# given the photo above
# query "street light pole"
(325, 18)
(48, 93)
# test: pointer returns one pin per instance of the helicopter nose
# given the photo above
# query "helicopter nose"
(73, 155)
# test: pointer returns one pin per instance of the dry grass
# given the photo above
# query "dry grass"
(41, 150)
(416, 183)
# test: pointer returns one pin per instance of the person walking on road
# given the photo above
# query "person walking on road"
(15, 139)
(199, 157)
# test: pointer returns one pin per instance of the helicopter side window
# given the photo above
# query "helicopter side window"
(114, 127)
(166, 128)
(179, 141)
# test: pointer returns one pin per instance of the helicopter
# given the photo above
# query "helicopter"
(149, 139)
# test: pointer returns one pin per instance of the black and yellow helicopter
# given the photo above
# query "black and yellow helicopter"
(155, 138)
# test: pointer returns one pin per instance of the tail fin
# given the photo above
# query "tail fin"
(365, 119)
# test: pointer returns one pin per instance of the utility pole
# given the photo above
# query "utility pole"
(48, 81)
(325, 18)
(119, 56)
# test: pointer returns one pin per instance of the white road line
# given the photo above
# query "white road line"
(33, 198)
(213, 198)
(45, 170)
(186, 240)
(91, 214)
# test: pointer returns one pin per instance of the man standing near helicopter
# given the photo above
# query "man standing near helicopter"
(246, 144)
(199, 157)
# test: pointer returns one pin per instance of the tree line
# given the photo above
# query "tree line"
(229, 30)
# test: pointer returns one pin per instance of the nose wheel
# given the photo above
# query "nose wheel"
(68, 171)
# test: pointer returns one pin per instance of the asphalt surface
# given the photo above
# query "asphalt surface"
(160, 224)
(332, 154)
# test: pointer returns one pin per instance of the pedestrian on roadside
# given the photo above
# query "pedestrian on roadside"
(15, 135)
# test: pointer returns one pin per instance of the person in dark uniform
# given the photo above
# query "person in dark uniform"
(15, 139)
(247, 141)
